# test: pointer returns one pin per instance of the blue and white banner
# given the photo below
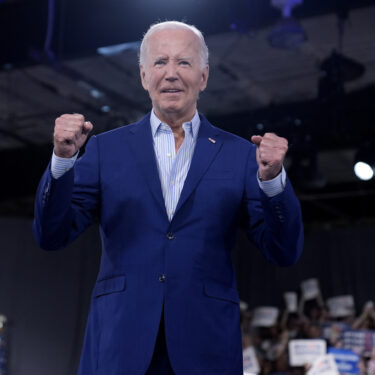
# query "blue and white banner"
(359, 341)
(346, 360)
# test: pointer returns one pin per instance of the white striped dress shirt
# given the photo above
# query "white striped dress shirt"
(173, 167)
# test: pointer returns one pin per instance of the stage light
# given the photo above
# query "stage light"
(118, 48)
(287, 33)
(96, 93)
(286, 6)
(93, 91)
(364, 162)
(105, 108)
(363, 171)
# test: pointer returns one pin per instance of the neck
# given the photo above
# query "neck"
(175, 120)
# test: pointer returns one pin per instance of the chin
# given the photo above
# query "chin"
(171, 109)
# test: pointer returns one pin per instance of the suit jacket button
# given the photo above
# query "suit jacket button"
(170, 236)
(162, 278)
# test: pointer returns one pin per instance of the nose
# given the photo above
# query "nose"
(171, 73)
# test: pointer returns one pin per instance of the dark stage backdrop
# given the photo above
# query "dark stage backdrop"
(46, 295)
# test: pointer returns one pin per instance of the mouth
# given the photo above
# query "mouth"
(170, 91)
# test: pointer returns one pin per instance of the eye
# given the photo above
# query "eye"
(184, 62)
(160, 62)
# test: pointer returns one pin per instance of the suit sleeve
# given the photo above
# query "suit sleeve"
(66, 206)
(274, 224)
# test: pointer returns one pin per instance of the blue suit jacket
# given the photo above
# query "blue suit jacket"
(148, 262)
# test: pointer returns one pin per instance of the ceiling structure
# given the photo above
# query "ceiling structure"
(253, 88)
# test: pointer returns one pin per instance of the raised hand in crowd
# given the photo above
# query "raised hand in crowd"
(367, 318)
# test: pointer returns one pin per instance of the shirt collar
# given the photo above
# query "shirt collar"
(194, 124)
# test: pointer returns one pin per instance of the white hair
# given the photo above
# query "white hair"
(173, 25)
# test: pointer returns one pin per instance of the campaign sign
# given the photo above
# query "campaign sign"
(310, 289)
(359, 341)
(305, 351)
(291, 301)
(347, 361)
(341, 306)
(250, 362)
(324, 365)
(265, 316)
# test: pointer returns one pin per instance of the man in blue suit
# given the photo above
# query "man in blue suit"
(170, 192)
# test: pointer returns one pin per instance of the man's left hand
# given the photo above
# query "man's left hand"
(271, 151)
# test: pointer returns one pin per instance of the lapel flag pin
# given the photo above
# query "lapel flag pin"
(212, 140)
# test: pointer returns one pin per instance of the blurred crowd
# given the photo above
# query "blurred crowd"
(268, 331)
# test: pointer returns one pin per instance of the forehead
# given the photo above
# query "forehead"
(173, 42)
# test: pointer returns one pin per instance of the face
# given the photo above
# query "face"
(173, 74)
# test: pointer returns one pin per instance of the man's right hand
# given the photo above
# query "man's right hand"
(71, 132)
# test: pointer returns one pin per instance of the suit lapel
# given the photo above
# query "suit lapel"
(143, 149)
(206, 149)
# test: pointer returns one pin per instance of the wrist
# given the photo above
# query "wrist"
(267, 176)
(64, 155)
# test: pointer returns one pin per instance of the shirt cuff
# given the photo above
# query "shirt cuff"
(274, 186)
(61, 165)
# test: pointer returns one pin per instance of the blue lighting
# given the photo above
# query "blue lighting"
(118, 48)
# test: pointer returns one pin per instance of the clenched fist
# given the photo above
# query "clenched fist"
(271, 151)
(71, 132)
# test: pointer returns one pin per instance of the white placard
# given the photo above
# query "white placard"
(250, 361)
(341, 306)
(310, 289)
(265, 316)
(291, 301)
(305, 351)
(324, 365)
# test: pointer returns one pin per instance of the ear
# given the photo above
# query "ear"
(142, 73)
(204, 80)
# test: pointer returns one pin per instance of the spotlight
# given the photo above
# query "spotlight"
(105, 108)
(364, 163)
(116, 49)
(363, 171)
(96, 93)
(288, 33)
(93, 91)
